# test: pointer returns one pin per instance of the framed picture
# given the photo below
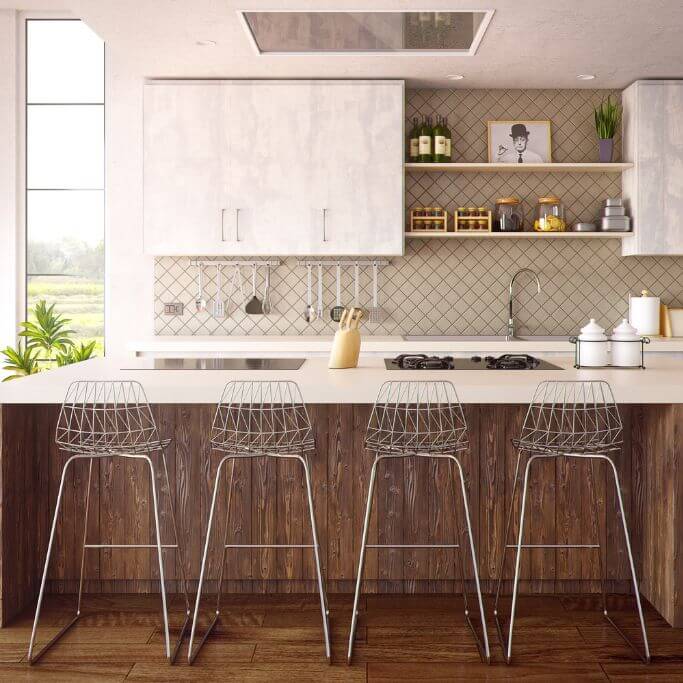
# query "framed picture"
(519, 142)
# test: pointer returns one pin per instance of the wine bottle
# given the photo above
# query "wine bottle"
(447, 135)
(425, 141)
(414, 141)
(438, 133)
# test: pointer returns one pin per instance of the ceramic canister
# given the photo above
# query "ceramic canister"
(644, 313)
(626, 349)
(592, 345)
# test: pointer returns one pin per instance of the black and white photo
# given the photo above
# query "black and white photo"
(519, 142)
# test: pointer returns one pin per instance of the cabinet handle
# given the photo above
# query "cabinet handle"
(237, 225)
(222, 225)
(324, 225)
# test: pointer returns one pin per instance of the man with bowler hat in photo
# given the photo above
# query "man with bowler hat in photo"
(520, 154)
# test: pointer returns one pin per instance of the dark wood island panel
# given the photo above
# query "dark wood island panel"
(414, 503)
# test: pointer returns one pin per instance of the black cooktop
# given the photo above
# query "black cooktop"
(508, 361)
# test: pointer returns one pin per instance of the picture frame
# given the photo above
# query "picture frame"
(531, 144)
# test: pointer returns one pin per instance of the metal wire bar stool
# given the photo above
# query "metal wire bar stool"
(259, 420)
(424, 420)
(101, 420)
(571, 420)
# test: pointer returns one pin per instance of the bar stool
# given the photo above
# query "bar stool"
(424, 420)
(570, 420)
(101, 420)
(260, 420)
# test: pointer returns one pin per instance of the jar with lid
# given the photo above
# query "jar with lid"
(509, 216)
(627, 348)
(592, 346)
(549, 215)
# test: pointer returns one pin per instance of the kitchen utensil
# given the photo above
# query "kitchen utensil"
(356, 287)
(626, 349)
(319, 310)
(200, 301)
(584, 227)
(346, 344)
(254, 305)
(309, 311)
(592, 345)
(337, 310)
(218, 308)
(615, 223)
(236, 284)
(643, 313)
(375, 313)
(266, 292)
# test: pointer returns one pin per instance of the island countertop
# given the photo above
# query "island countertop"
(660, 382)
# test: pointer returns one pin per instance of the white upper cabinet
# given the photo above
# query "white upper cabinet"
(653, 188)
(274, 167)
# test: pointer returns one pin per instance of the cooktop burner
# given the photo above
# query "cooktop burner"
(508, 361)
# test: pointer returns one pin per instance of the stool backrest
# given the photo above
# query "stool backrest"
(105, 416)
(262, 417)
(581, 416)
(419, 417)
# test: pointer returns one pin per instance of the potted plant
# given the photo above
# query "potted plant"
(607, 117)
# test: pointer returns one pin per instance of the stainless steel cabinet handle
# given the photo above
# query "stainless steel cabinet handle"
(222, 225)
(237, 225)
(324, 225)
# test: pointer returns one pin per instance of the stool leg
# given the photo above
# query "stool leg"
(486, 655)
(318, 567)
(636, 592)
(31, 658)
(191, 656)
(361, 561)
(597, 535)
(85, 537)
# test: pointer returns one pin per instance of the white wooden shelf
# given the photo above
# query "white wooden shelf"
(516, 235)
(518, 168)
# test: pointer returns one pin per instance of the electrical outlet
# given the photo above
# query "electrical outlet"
(175, 308)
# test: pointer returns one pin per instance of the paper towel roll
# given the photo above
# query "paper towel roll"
(644, 313)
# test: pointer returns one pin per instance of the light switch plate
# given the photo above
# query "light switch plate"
(175, 308)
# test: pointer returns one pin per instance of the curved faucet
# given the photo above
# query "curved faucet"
(511, 321)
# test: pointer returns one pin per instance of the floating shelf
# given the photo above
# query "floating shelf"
(517, 235)
(518, 168)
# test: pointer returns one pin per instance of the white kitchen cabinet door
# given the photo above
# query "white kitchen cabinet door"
(357, 146)
(653, 188)
(185, 156)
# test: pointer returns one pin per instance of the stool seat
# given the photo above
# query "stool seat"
(538, 442)
(98, 447)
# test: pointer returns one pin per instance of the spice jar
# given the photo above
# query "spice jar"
(461, 211)
(419, 211)
(549, 215)
(509, 216)
(418, 224)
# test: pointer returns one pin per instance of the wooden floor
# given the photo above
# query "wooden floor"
(400, 638)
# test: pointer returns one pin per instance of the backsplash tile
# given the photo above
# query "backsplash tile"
(460, 287)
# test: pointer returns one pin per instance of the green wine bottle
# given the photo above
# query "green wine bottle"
(414, 141)
(447, 134)
(425, 141)
(438, 133)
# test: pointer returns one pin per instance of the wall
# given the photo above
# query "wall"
(460, 287)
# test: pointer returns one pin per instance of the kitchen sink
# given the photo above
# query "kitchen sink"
(482, 338)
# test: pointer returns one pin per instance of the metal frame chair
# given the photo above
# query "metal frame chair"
(101, 420)
(259, 420)
(573, 420)
(424, 420)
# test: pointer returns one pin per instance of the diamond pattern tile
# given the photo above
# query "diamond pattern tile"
(461, 287)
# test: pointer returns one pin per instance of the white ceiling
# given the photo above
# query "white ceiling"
(530, 43)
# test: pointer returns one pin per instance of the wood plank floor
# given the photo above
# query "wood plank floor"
(400, 638)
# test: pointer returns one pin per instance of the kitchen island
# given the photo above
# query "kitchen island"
(414, 498)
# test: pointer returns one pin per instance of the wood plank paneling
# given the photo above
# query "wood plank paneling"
(414, 504)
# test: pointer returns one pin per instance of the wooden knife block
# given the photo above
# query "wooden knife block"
(346, 344)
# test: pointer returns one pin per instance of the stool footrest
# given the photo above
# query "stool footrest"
(386, 545)
(127, 545)
(267, 545)
(552, 545)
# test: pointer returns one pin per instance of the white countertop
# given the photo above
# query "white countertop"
(319, 345)
(661, 382)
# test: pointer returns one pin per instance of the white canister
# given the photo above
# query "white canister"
(643, 313)
(592, 345)
(626, 346)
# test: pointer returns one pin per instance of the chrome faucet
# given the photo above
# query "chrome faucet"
(511, 321)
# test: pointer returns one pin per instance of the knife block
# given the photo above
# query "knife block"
(346, 344)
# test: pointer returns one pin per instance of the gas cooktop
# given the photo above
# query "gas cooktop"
(508, 361)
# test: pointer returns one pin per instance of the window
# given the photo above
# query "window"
(65, 172)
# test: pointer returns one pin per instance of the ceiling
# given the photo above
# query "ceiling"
(528, 44)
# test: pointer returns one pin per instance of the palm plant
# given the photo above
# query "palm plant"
(49, 333)
(21, 361)
(76, 354)
(607, 117)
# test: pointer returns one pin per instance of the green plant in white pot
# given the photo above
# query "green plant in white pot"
(607, 118)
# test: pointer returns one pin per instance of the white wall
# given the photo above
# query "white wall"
(9, 223)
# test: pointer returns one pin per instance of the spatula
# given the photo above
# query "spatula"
(254, 305)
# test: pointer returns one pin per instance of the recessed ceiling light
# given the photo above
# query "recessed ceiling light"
(455, 77)
(206, 43)
(585, 77)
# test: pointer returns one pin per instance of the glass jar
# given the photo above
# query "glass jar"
(419, 212)
(549, 215)
(461, 211)
(509, 216)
